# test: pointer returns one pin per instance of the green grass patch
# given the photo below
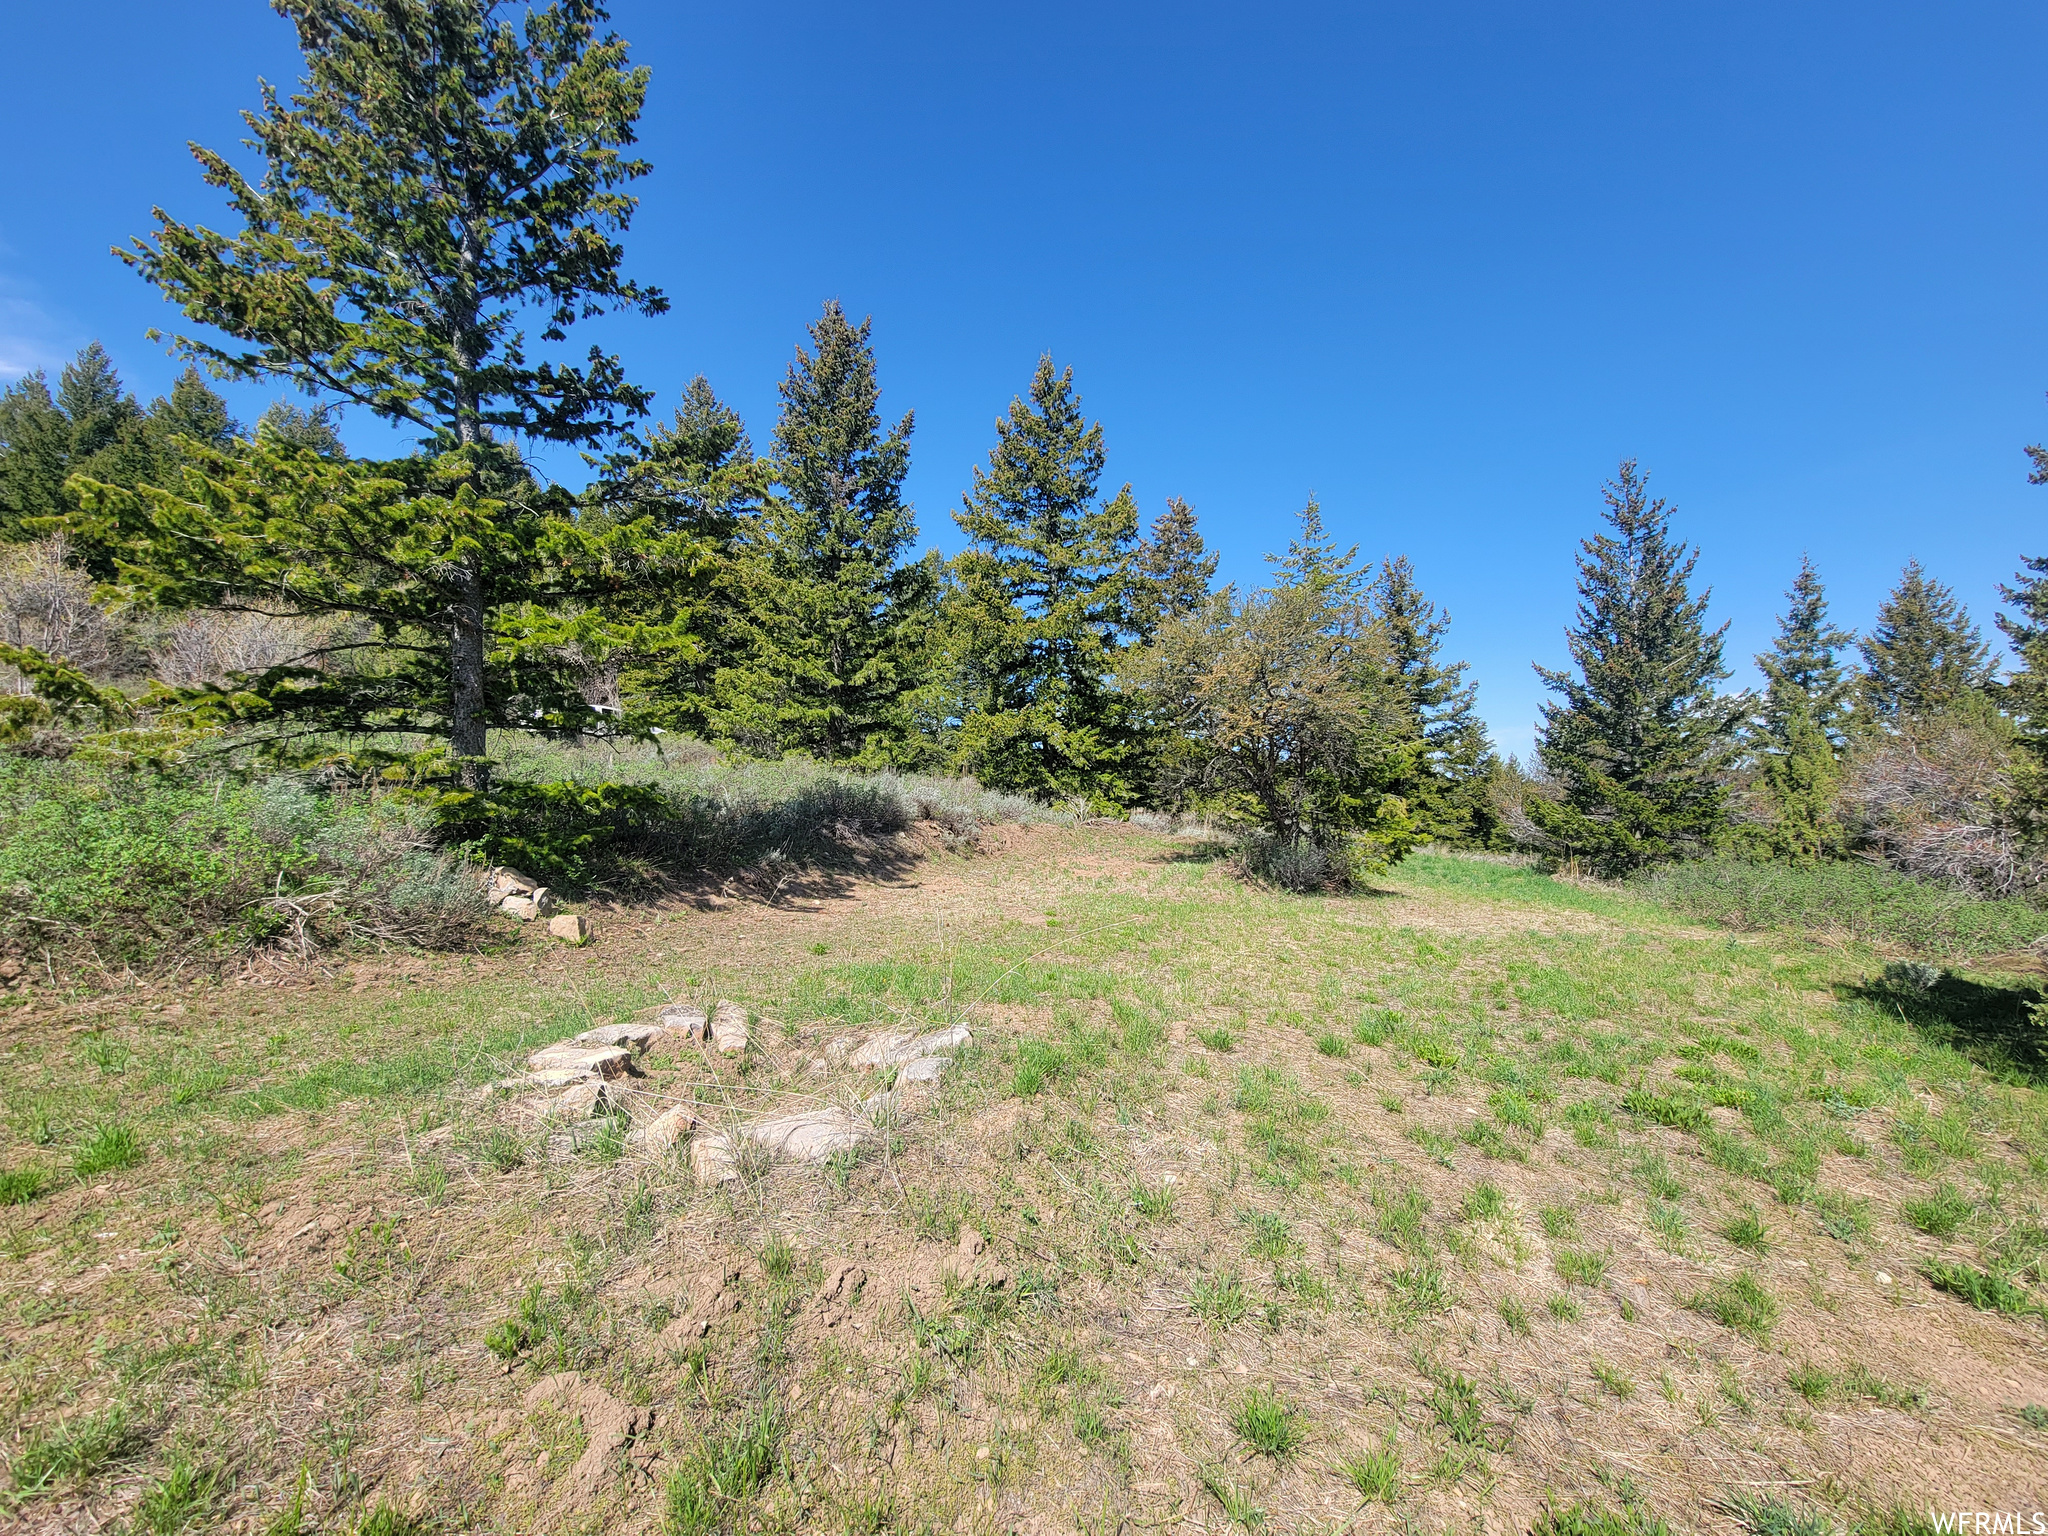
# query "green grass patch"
(1980, 1288)
(1739, 1303)
(1268, 1424)
(108, 1149)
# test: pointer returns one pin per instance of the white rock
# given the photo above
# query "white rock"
(660, 1135)
(634, 1037)
(570, 927)
(547, 1077)
(712, 1159)
(504, 881)
(925, 1069)
(544, 902)
(883, 1050)
(729, 1028)
(584, 1060)
(521, 907)
(686, 1017)
(897, 1047)
(810, 1136)
(581, 1101)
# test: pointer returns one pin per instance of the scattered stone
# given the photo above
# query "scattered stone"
(896, 1048)
(660, 1135)
(634, 1037)
(570, 927)
(925, 1069)
(811, 1136)
(550, 1077)
(729, 1028)
(504, 881)
(685, 1018)
(581, 1101)
(521, 907)
(836, 1051)
(584, 1060)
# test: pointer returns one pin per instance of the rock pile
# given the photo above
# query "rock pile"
(525, 898)
(593, 1073)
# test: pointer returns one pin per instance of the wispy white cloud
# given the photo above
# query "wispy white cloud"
(30, 336)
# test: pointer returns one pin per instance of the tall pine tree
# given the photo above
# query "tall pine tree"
(94, 426)
(1043, 609)
(1446, 787)
(1173, 570)
(445, 167)
(1803, 678)
(1801, 726)
(837, 614)
(696, 476)
(1639, 740)
(1924, 656)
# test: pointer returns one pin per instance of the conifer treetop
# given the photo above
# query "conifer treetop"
(1924, 654)
(442, 170)
(1801, 674)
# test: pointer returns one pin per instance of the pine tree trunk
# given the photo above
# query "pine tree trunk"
(467, 738)
(468, 726)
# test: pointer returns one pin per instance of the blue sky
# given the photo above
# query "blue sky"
(1441, 264)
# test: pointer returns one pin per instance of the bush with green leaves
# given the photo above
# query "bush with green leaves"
(1879, 906)
(106, 867)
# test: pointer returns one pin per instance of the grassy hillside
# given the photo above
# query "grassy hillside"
(1478, 1202)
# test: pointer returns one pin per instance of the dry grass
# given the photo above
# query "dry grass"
(1438, 1277)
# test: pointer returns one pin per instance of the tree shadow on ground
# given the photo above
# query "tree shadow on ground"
(1991, 1025)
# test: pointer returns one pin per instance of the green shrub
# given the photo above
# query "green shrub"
(125, 867)
(179, 1500)
(1376, 1475)
(1844, 1217)
(1580, 1266)
(1590, 1520)
(1768, 1515)
(1681, 1114)
(73, 1448)
(1853, 898)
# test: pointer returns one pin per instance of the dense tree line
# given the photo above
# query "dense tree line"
(448, 173)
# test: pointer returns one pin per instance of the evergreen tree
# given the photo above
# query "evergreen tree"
(94, 427)
(300, 427)
(696, 476)
(1446, 788)
(1639, 740)
(836, 616)
(1923, 656)
(1173, 570)
(1806, 710)
(190, 412)
(1292, 714)
(35, 456)
(1043, 610)
(443, 167)
(1803, 679)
